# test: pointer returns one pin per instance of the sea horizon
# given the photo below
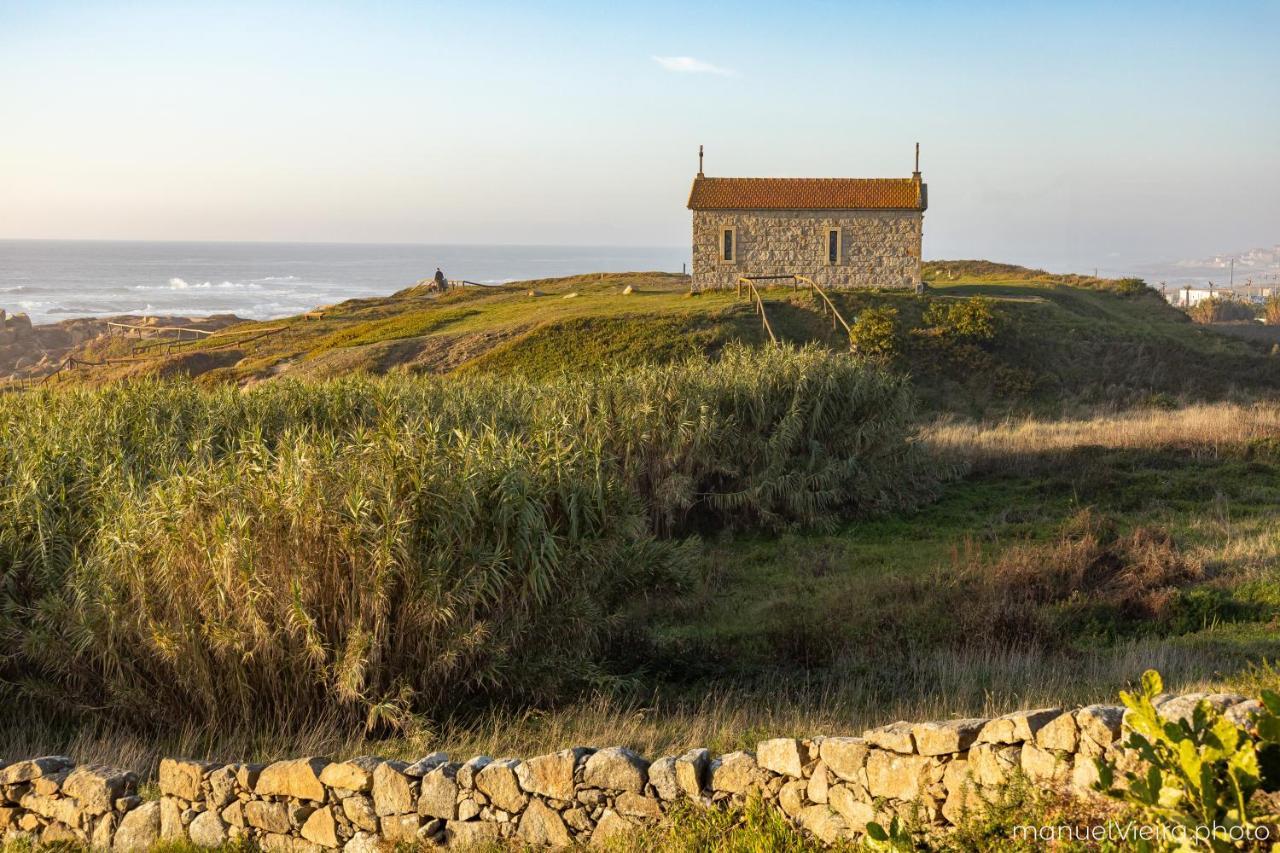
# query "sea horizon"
(58, 279)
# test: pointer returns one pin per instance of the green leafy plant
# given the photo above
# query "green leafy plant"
(894, 839)
(874, 332)
(1198, 776)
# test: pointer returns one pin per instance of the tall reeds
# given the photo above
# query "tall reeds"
(375, 547)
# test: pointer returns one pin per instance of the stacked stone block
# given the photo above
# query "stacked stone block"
(880, 248)
(931, 773)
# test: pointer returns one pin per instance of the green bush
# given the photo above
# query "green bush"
(874, 333)
(970, 320)
(373, 548)
(1199, 776)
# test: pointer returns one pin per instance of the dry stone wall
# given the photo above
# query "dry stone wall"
(832, 787)
(879, 248)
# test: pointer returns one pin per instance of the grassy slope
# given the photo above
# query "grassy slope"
(819, 604)
(1060, 345)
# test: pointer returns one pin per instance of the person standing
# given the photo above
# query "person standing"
(442, 283)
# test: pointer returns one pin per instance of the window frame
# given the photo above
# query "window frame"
(732, 231)
(827, 231)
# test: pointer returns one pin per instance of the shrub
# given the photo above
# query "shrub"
(1091, 579)
(970, 320)
(874, 332)
(1271, 310)
(1199, 775)
(1220, 310)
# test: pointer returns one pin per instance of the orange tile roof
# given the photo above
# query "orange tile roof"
(806, 194)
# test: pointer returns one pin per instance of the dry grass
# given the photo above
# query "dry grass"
(938, 684)
(1007, 445)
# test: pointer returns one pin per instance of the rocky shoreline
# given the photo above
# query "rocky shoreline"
(30, 351)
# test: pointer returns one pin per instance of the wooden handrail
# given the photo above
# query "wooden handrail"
(816, 288)
(137, 328)
(254, 334)
(759, 304)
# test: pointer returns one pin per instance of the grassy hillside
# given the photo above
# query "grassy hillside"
(584, 550)
(1061, 341)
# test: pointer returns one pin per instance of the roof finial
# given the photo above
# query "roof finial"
(699, 161)
(916, 173)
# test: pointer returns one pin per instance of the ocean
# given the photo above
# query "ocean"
(55, 280)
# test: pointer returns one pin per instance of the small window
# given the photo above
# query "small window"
(728, 245)
(834, 246)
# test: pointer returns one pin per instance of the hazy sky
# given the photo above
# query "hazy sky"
(1073, 135)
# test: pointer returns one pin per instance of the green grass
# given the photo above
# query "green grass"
(1065, 342)
(809, 601)
(770, 627)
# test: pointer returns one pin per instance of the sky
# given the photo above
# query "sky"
(1072, 135)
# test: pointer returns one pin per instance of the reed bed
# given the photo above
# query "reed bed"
(376, 549)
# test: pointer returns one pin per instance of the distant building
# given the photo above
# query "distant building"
(1185, 297)
(841, 232)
